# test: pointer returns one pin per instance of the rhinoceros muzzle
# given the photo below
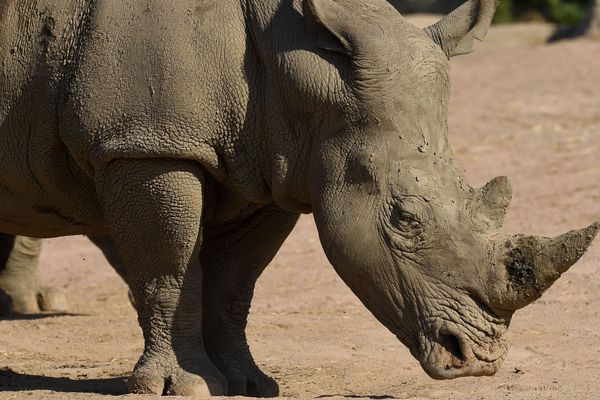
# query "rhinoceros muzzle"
(450, 352)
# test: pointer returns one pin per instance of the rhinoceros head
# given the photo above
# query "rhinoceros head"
(420, 247)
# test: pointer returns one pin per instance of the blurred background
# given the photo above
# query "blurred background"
(567, 12)
(572, 17)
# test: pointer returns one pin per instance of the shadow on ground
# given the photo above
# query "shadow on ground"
(31, 317)
(356, 396)
(11, 381)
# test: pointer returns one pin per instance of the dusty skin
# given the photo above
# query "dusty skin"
(309, 331)
(189, 173)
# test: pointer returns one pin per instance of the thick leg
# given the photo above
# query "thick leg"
(154, 209)
(20, 291)
(233, 258)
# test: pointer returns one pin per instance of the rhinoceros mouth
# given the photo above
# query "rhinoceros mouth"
(449, 353)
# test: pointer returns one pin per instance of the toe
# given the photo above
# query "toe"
(146, 379)
(22, 303)
(261, 386)
(144, 384)
(237, 386)
(265, 386)
(194, 385)
(52, 300)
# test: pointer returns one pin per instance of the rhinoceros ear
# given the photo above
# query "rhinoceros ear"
(457, 32)
(329, 21)
(492, 202)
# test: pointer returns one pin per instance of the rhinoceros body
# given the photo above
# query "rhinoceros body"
(87, 83)
(185, 138)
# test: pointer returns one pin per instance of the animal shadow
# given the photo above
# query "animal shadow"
(356, 396)
(40, 315)
(11, 381)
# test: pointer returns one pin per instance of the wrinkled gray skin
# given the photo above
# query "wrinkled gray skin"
(186, 137)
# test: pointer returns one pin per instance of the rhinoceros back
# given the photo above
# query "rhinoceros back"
(156, 79)
(87, 82)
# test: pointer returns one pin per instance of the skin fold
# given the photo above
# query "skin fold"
(185, 138)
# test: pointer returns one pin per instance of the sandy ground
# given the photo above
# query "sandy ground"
(519, 108)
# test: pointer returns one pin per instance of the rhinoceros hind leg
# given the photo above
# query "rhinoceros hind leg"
(154, 211)
(20, 291)
(232, 261)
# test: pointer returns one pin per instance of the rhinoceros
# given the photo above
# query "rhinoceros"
(185, 138)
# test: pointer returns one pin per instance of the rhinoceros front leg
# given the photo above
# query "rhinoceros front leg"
(20, 290)
(233, 258)
(153, 209)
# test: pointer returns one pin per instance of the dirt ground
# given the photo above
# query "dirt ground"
(519, 108)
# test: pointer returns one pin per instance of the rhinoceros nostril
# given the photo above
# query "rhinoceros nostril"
(451, 344)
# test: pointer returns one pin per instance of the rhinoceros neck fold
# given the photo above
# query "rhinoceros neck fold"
(299, 95)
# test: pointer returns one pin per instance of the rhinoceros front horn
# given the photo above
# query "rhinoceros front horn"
(532, 264)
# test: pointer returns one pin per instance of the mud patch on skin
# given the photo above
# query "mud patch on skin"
(521, 270)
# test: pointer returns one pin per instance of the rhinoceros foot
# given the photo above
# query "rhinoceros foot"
(52, 300)
(20, 289)
(22, 303)
(189, 377)
(28, 302)
(233, 358)
(250, 381)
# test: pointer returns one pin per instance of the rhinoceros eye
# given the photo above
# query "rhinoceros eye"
(405, 220)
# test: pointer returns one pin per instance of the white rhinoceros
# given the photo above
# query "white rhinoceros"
(185, 138)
